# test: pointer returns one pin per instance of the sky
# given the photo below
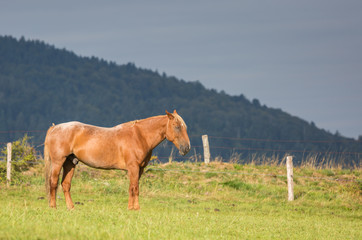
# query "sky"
(304, 57)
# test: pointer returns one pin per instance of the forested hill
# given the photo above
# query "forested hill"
(40, 85)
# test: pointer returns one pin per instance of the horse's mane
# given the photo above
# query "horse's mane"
(133, 122)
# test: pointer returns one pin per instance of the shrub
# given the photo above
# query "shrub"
(23, 156)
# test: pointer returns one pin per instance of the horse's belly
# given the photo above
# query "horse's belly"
(102, 159)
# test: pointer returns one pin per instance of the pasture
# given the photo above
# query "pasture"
(189, 201)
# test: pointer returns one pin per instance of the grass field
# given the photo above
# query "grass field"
(189, 201)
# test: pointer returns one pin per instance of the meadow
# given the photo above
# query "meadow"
(189, 201)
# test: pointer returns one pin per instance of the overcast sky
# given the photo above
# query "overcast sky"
(304, 57)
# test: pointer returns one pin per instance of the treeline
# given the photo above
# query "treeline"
(41, 85)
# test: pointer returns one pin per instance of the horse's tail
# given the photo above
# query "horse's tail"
(47, 163)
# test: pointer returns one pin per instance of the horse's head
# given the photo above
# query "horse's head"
(176, 132)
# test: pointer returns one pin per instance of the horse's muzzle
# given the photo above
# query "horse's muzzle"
(184, 149)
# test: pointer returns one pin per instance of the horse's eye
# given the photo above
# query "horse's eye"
(178, 127)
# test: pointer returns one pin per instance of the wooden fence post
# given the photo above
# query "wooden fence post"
(170, 158)
(195, 154)
(205, 143)
(290, 178)
(8, 165)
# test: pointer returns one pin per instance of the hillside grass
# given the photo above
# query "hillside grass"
(189, 201)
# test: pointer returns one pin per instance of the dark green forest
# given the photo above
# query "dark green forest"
(41, 84)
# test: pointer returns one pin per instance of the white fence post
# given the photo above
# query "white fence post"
(8, 165)
(290, 178)
(205, 143)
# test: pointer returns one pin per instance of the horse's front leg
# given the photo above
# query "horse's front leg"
(133, 173)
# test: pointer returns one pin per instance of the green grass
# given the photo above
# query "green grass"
(190, 201)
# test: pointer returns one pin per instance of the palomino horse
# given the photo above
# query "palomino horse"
(126, 146)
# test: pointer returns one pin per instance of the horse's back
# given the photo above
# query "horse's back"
(62, 130)
(74, 126)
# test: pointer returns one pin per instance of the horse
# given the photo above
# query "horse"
(127, 146)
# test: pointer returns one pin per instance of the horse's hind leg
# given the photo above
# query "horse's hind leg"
(54, 177)
(68, 172)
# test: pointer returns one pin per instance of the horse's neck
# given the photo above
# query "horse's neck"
(154, 130)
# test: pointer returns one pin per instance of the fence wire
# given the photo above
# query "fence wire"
(164, 150)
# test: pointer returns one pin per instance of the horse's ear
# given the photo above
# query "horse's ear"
(174, 111)
(170, 115)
